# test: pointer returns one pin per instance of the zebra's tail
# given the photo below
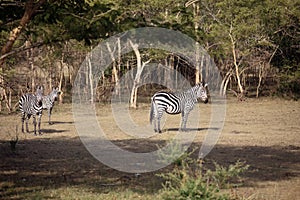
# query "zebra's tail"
(152, 110)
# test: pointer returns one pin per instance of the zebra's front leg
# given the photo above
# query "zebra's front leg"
(184, 118)
(39, 123)
(49, 116)
(34, 124)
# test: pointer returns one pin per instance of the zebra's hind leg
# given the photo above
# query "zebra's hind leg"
(157, 114)
(158, 124)
(154, 124)
(22, 120)
(156, 121)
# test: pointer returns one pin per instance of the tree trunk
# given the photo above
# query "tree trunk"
(90, 78)
(236, 65)
(140, 67)
(260, 77)
(262, 71)
(225, 82)
(1, 98)
(198, 71)
(115, 71)
(62, 65)
(31, 66)
(7, 99)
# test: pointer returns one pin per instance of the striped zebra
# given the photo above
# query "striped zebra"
(31, 105)
(48, 101)
(175, 103)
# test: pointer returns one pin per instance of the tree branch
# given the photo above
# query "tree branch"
(30, 8)
(18, 50)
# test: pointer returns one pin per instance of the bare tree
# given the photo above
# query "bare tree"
(114, 66)
(140, 68)
(235, 63)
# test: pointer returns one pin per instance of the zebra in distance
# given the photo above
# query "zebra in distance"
(31, 105)
(48, 101)
(175, 103)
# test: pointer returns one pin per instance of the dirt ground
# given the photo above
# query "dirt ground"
(265, 133)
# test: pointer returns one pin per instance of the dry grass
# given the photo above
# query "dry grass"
(264, 133)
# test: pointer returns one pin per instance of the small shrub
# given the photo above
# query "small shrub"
(223, 176)
(174, 153)
(191, 181)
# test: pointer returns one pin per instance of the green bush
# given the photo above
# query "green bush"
(224, 176)
(289, 85)
(185, 183)
(192, 181)
(174, 153)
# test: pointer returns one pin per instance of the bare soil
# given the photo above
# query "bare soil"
(265, 133)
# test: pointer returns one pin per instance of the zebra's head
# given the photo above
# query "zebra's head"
(54, 94)
(39, 93)
(202, 92)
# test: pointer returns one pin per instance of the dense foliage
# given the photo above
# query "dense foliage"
(257, 39)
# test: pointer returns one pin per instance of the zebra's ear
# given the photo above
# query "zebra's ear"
(39, 90)
(58, 90)
(205, 85)
(39, 87)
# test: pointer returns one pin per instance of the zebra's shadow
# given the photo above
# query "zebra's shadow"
(188, 129)
(47, 131)
(59, 122)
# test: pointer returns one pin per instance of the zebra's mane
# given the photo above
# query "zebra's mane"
(52, 95)
(191, 92)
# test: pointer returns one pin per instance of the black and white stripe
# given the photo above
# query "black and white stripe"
(175, 103)
(31, 105)
(48, 101)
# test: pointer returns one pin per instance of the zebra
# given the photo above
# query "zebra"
(31, 105)
(175, 103)
(48, 101)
